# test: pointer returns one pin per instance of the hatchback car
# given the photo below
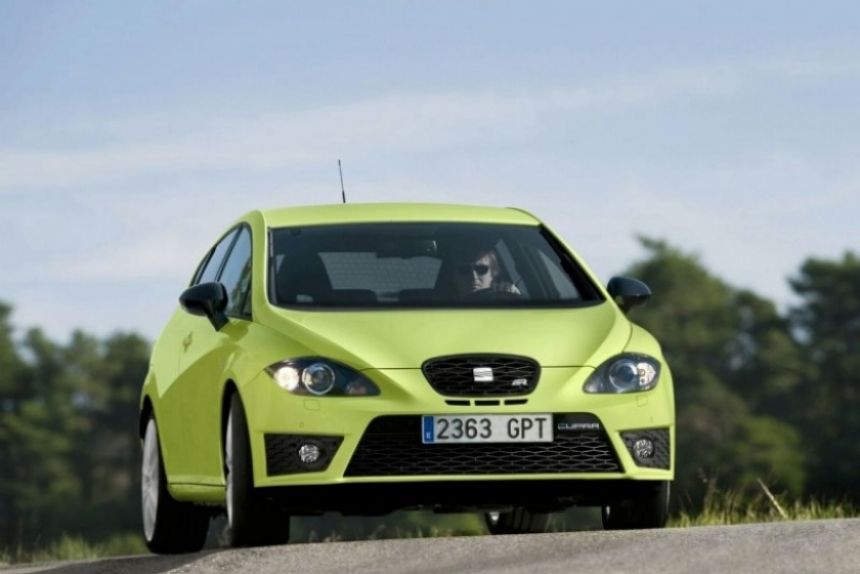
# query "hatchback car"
(370, 358)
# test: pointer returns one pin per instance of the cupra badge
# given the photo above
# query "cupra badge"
(483, 374)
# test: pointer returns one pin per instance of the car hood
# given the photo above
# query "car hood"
(405, 339)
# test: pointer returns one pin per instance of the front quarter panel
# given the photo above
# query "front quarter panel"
(158, 387)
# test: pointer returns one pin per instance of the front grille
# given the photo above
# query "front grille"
(660, 440)
(455, 376)
(392, 446)
(282, 453)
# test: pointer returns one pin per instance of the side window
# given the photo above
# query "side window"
(210, 271)
(236, 276)
(200, 266)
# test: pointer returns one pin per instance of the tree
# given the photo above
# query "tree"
(770, 362)
(36, 438)
(714, 338)
(11, 394)
(124, 362)
(68, 435)
(828, 324)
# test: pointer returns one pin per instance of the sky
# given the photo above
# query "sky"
(133, 133)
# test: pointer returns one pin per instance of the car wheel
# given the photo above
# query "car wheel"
(169, 526)
(251, 519)
(648, 511)
(518, 521)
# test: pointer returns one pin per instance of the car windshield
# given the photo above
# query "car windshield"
(409, 265)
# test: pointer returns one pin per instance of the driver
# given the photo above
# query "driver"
(482, 271)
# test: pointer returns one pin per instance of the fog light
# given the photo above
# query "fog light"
(643, 448)
(309, 453)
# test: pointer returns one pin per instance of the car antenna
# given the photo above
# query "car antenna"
(342, 191)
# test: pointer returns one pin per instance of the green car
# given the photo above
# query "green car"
(369, 358)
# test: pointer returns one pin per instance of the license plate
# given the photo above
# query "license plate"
(486, 428)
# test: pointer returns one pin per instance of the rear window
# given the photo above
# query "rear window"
(385, 265)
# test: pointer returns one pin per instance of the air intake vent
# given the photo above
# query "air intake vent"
(391, 446)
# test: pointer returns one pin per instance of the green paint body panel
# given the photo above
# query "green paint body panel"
(192, 366)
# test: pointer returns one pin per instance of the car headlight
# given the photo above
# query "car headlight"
(320, 377)
(627, 373)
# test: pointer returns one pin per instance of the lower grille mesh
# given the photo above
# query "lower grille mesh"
(392, 446)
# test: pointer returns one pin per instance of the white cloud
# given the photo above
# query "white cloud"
(159, 142)
(397, 122)
(803, 68)
(146, 256)
(267, 141)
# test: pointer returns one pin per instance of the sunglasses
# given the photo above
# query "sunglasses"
(480, 269)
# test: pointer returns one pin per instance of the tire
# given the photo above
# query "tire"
(251, 519)
(518, 521)
(169, 526)
(649, 511)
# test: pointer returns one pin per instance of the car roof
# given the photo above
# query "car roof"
(393, 212)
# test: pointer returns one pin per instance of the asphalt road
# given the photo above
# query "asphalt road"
(827, 546)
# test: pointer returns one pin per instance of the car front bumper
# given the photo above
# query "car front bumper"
(346, 427)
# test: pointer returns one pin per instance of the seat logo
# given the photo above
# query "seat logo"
(483, 374)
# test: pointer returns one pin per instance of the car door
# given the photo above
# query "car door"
(190, 338)
(205, 359)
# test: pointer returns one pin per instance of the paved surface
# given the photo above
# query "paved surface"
(827, 546)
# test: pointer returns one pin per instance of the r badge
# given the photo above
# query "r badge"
(483, 374)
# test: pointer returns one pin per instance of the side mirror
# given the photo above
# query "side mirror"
(208, 300)
(628, 292)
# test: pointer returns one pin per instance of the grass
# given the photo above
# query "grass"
(78, 548)
(736, 507)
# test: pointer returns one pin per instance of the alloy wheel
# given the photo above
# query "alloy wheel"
(149, 480)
